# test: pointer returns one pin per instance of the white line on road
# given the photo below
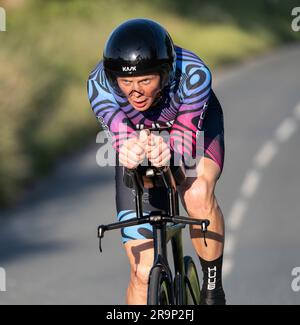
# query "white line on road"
(230, 244)
(266, 154)
(250, 183)
(286, 129)
(236, 215)
(227, 267)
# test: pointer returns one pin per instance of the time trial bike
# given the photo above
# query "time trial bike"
(164, 288)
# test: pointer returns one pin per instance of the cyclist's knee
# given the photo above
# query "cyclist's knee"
(141, 256)
(199, 198)
(140, 276)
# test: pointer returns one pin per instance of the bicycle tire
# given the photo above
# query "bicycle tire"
(159, 289)
(193, 290)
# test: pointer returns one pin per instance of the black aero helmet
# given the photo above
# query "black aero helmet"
(138, 47)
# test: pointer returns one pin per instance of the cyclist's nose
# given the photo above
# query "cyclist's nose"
(137, 89)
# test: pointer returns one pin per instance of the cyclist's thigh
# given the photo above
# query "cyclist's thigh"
(153, 199)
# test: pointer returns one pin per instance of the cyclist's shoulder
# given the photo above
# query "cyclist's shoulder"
(98, 86)
(191, 71)
(97, 74)
(186, 59)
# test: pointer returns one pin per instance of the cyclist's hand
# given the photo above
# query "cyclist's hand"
(132, 152)
(158, 152)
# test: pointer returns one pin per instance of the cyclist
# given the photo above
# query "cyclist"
(145, 81)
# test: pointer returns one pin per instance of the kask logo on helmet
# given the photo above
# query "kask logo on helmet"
(129, 69)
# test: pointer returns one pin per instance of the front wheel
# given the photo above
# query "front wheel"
(192, 282)
(159, 289)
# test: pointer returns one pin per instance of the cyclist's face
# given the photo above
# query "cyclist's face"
(141, 91)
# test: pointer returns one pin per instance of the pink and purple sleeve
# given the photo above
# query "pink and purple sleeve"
(189, 121)
(108, 112)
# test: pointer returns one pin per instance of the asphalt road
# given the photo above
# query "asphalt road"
(48, 243)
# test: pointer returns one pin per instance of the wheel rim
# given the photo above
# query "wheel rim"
(164, 299)
(192, 280)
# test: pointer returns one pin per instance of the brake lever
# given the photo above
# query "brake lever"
(101, 230)
(204, 225)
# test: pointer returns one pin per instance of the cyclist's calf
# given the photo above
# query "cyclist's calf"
(200, 202)
(141, 255)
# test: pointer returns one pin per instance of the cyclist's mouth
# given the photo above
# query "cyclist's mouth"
(140, 104)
